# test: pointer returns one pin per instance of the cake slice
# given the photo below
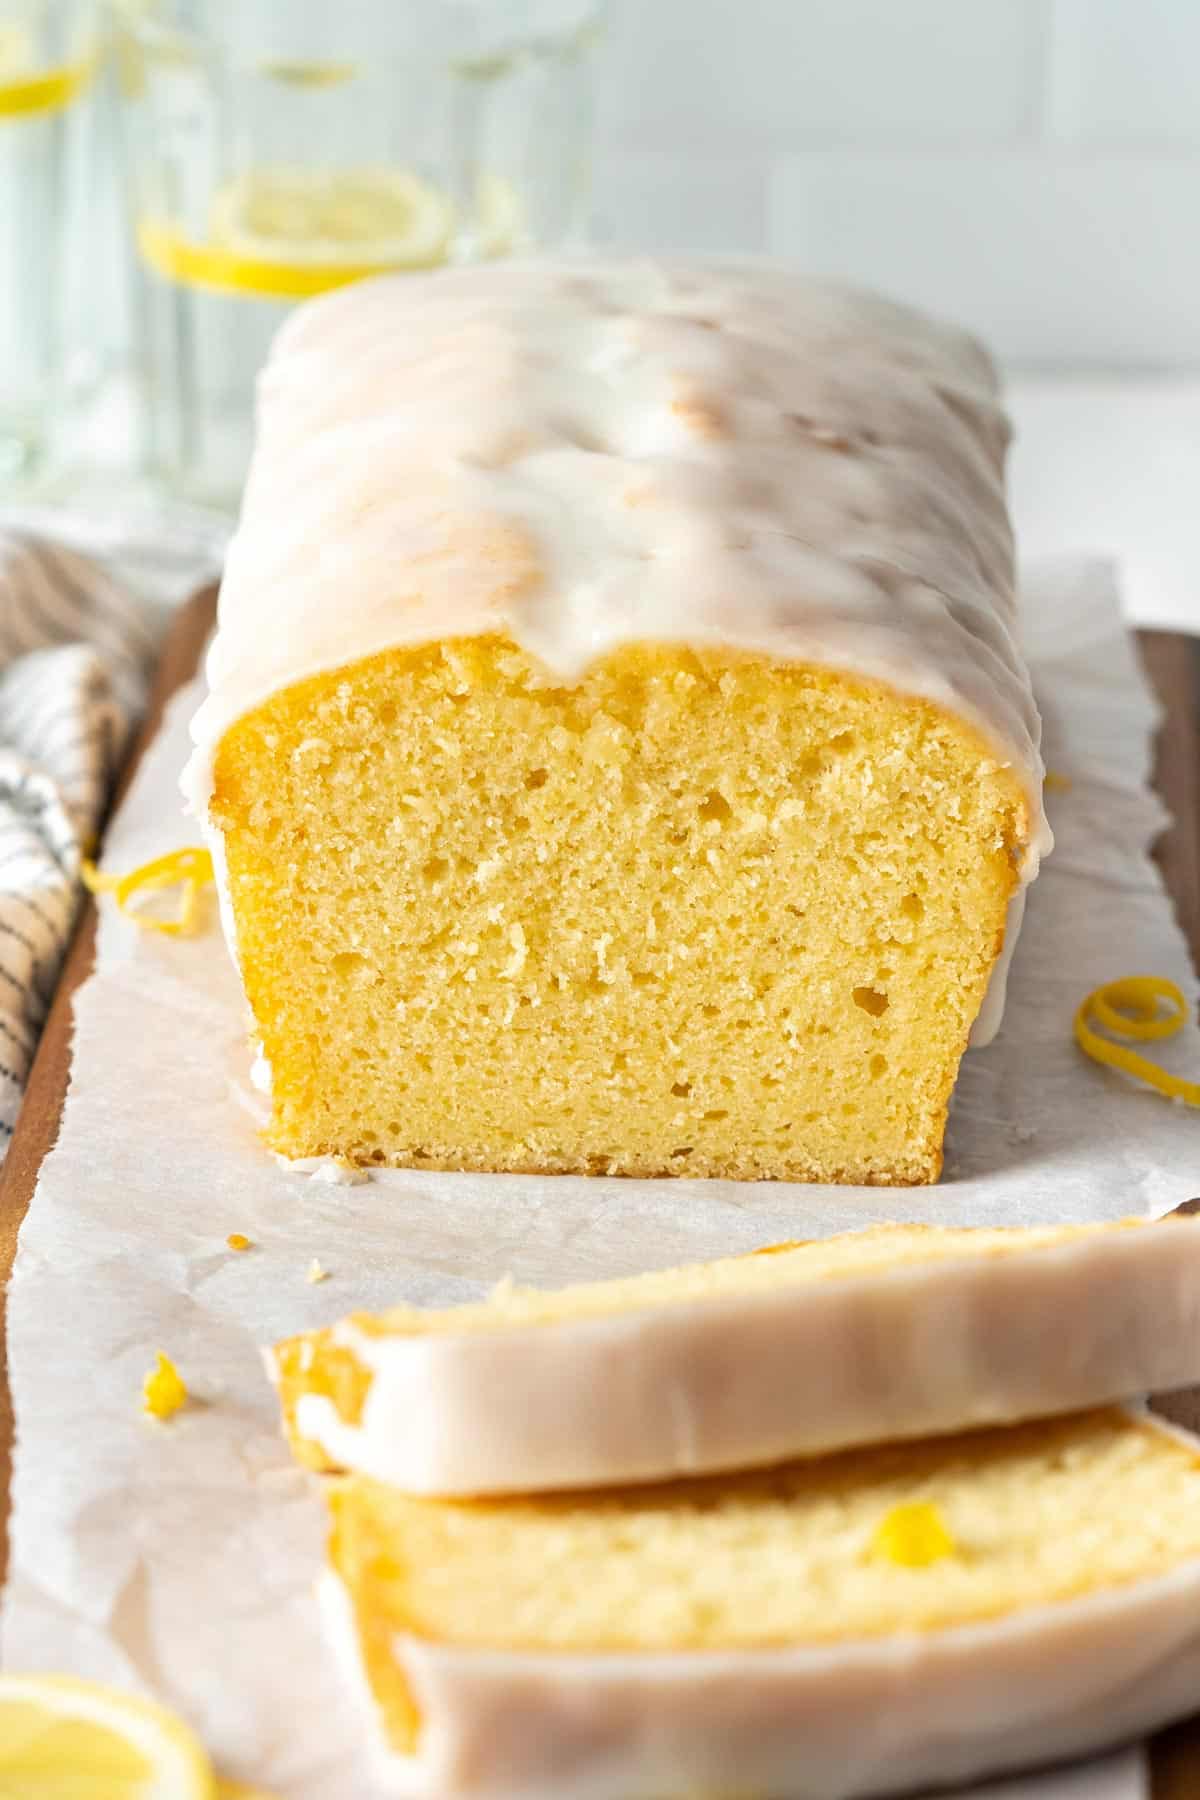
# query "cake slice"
(896, 1332)
(620, 760)
(872, 1623)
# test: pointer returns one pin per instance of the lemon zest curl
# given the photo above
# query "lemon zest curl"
(190, 870)
(1130, 1009)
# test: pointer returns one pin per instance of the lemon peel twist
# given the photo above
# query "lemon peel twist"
(1129, 1009)
(190, 870)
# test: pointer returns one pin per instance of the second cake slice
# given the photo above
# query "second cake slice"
(873, 1623)
(897, 1332)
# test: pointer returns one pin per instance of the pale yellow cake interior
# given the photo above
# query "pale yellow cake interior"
(314, 1362)
(700, 914)
(1035, 1514)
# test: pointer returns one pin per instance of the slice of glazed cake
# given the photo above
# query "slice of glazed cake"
(618, 755)
(896, 1332)
(883, 1622)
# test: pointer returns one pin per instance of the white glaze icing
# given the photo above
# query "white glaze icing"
(991, 1014)
(728, 1382)
(591, 452)
(833, 1722)
(335, 1170)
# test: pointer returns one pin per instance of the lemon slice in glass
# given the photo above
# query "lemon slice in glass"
(24, 88)
(63, 1739)
(286, 234)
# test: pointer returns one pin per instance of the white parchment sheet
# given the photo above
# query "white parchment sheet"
(180, 1557)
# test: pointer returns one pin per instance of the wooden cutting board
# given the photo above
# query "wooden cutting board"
(1173, 664)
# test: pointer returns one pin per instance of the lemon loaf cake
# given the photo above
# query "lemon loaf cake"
(878, 1622)
(618, 758)
(897, 1332)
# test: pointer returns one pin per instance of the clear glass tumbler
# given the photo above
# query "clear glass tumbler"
(48, 53)
(281, 148)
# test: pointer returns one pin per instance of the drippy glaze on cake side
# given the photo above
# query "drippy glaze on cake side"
(585, 453)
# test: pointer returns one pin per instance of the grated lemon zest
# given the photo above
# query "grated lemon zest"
(315, 1273)
(237, 1240)
(190, 870)
(1055, 782)
(164, 1390)
(913, 1535)
(1129, 1008)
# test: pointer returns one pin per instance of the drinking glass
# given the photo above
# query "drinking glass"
(48, 55)
(278, 150)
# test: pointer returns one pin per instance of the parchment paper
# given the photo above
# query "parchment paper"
(180, 1557)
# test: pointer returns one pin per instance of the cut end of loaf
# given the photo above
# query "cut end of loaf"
(700, 914)
(1034, 1515)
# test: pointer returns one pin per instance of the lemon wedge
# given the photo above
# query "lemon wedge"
(63, 1739)
(288, 234)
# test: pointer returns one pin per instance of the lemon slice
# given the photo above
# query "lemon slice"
(286, 235)
(24, 88)
(63, 1739)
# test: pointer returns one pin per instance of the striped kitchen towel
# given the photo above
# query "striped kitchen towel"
(76, 649)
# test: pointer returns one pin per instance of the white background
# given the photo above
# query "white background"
(1031, 167)
(1028, 167)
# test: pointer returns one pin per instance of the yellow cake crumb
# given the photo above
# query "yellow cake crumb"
(237, 1240)
(315, 1273)
(696, 913)
(164, 1390)
(913, 1535)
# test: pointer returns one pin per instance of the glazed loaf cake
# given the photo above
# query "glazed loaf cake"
(897, 1332)
(618, 757)
(882, 1622)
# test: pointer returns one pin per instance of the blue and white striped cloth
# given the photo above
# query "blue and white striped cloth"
(76, 650)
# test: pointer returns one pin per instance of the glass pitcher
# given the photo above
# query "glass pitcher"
(48, 54)
(280, 148)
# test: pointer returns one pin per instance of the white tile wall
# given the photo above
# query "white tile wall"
(1031, 166)
(1127, 70)
(656, 199)
(1054, 257)
(736, 73)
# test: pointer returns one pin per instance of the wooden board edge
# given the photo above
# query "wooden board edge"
(1172, 664)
